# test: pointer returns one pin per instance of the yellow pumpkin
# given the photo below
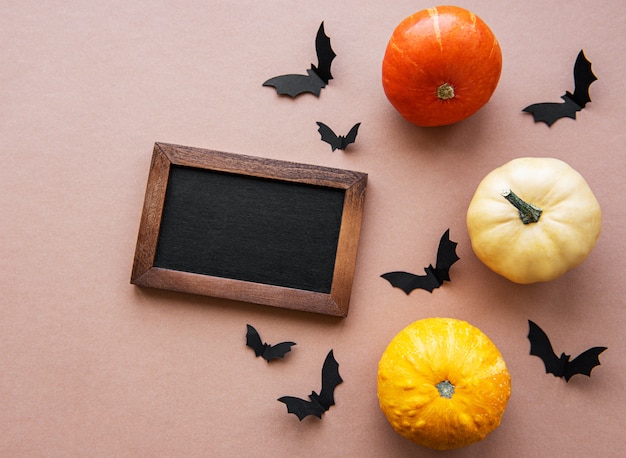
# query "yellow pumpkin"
(533, 219)
(442, 383)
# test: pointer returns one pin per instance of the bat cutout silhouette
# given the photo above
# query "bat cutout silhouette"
(337, 141)
(550, 112)
(267, 351)
(319, 403)
(435, 276)
(317, 77)
(561, 366)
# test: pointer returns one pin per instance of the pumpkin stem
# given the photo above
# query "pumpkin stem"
(445, 92)
(445, 388)
(528, 213)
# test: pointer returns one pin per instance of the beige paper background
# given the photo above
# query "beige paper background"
(93, 366)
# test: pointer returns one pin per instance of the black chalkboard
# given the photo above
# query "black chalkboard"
(252, 229)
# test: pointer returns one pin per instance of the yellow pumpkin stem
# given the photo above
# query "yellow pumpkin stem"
(528, 213)
(445, 388)
(445, 92)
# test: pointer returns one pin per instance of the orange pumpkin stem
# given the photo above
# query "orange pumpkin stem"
(445, 92)
(445, 388)
(528, 213)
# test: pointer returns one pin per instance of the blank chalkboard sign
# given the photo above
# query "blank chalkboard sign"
(250, 229)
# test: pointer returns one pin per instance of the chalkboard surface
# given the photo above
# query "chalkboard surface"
(251, 229)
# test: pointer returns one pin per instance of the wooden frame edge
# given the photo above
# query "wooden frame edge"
(151, 214)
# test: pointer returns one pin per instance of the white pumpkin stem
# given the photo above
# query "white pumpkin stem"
(528, 213)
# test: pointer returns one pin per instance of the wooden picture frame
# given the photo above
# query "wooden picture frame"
(250, 229)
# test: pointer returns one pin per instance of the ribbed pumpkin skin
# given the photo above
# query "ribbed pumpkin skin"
(445, 44)
(428, 352)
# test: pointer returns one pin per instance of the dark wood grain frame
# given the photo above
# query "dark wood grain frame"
(336, 303)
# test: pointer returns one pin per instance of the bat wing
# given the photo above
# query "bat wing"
(294, 84)
(277, 351)
(351, 137)
(583, 77)
(329, 136)
(446, 256)
(540, 346)
(583, 363)
(330, 380)
(325, 55)
(407, 282)
(551, 112)
(253, 340)
(302, 408)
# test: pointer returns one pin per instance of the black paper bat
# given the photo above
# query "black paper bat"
(435, 276)
(561, 366)
(267, 351)
(337, 141)
(550, 112)
(319, 403)
(317, 77)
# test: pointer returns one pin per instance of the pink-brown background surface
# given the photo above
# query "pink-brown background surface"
(93, 366)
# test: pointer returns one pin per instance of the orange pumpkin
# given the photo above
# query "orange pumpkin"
(441, 65)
